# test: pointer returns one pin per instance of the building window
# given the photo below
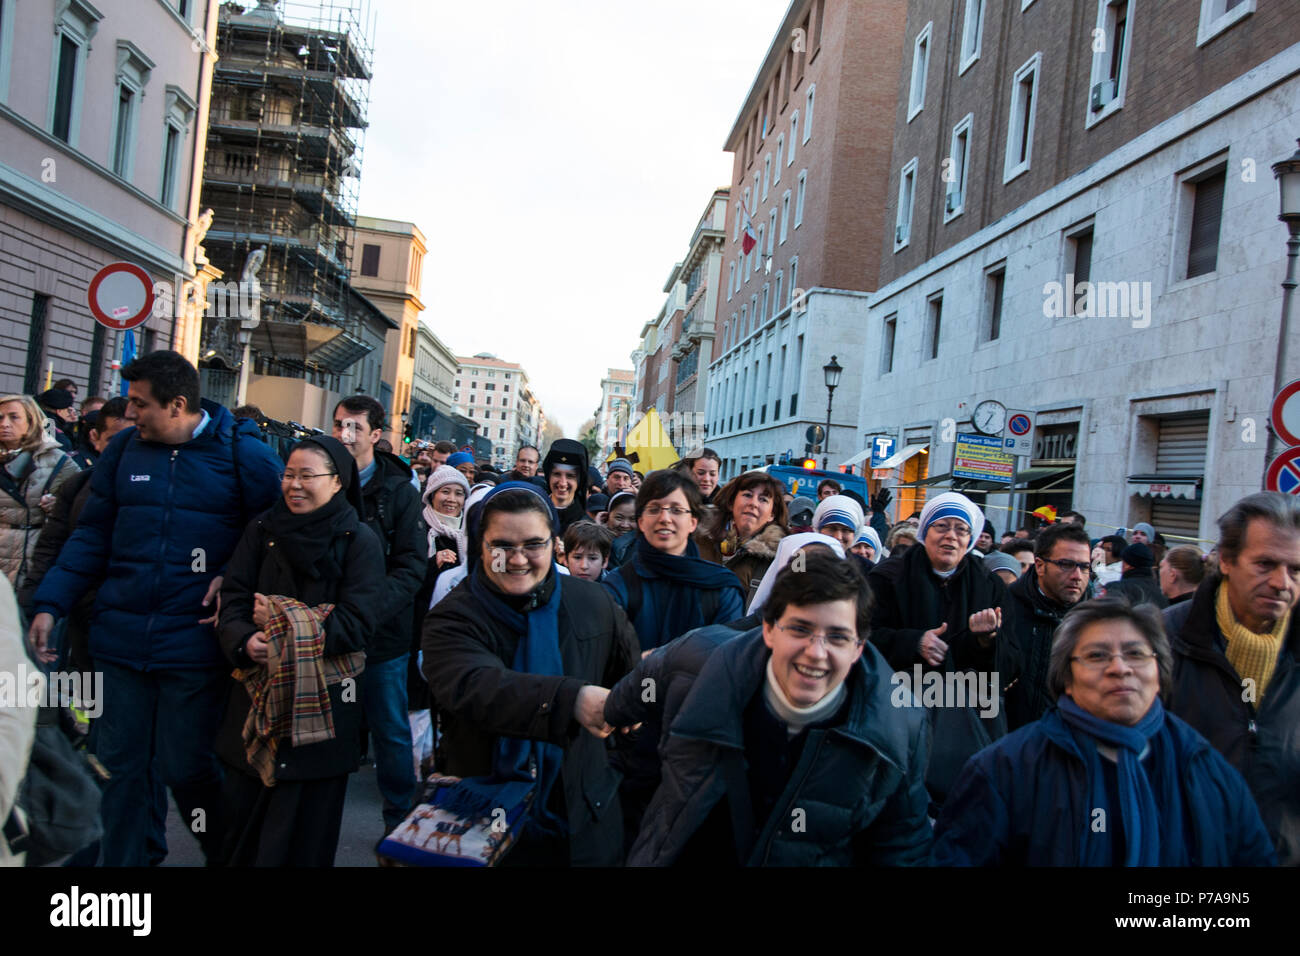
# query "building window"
(74, 28)
(179, 110)
(794, 137)
(800, 196)
(763, 313)
(785, 214)
(735, 225)
(501, 433)
(934, 325)
(1020, 123)
(1218, 15)
(731, 280)
(920, 64)
(906, 198)
(133, 69)
(890, 330)
(776, 294)
(1109, 59)
(808, 112)
(776, 167)
(995, 282)
(794, 279)
(36, 343)
(972, 31)
(767, 172)
(369, 259)
(1079, 251)
(771, 232)
(1207, 216)
(955, 174)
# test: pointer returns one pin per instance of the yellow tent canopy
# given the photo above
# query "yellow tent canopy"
(649, 442)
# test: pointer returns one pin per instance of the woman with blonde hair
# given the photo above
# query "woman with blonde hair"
(32, 469)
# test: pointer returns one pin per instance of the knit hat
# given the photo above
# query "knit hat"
(1000, 561)
(951, 504)
(55, 399)
(801, 510)
(444, 475)
(460, 458)
(619, 464)
(1146, 529)
(838, 509)
(1137, 556)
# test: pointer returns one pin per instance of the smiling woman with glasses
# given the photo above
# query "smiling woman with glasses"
(299, 594)
(1108, 777)
(518, 657)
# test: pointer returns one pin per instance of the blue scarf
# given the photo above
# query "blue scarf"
(1153, 831)
(519, 764)
(691, 574)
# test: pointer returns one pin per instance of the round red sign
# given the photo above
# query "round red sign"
(120, 296)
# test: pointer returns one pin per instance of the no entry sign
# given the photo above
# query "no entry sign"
(1285, 413)
(120, 296)
(1284, 473)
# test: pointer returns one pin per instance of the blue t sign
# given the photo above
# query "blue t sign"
(881, 449)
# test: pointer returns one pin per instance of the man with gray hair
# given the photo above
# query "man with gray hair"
(1236, 647)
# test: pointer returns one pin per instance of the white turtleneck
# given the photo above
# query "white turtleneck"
(797, 718)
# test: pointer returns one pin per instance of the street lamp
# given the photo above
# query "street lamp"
(244, 336)
(832, 371)
(1287, 174)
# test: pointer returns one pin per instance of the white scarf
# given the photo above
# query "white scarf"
(449, 526)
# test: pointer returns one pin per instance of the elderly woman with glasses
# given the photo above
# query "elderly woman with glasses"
(1108, 777)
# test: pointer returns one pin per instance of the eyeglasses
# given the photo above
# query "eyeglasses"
(532, 548)
(1098, 659)
(838, 640)
(654, 511)
(950, 527)
(305, 477)
(1069, 567)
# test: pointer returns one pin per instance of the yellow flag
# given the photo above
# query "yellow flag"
(649, 441)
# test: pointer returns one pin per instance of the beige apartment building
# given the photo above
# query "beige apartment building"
(387, 261)
(616, 413)
(102, 112)
(495, 395)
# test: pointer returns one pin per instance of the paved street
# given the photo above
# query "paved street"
(362, 827)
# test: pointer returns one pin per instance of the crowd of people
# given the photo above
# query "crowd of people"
(653, 668)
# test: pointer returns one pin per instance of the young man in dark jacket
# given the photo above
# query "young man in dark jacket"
(169, 500)
(1236, 647)
(1041, 597)
(1137, 581)
(787, 750)
(393, 512)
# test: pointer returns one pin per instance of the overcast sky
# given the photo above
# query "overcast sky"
(557, 155)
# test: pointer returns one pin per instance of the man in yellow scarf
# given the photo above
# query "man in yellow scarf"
(1237, 657)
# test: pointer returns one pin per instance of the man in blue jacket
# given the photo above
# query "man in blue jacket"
(169, 501)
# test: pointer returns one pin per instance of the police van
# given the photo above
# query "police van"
(804, 481)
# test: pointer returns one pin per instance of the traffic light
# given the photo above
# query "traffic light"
(408, 433)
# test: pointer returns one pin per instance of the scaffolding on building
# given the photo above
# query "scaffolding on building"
(286, 132)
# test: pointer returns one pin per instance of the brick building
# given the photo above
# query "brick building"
(812, 151)
(1123, 143)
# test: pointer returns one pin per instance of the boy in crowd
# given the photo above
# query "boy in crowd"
(586, 549)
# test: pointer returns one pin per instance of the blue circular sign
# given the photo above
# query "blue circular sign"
(1019, 425)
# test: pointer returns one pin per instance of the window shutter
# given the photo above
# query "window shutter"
(1203, 251)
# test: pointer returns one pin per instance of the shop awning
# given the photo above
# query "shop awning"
(1165, 486)
(860, 456)
(898, 457)
(925, 482)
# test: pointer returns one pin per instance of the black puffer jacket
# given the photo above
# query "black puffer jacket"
(1036, 619)
(394, 513)
(1140, 587)
(1262, 741)
(257, 568)
(467, 661)
(861, 783)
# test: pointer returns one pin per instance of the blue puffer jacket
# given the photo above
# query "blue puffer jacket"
(1024, 802)
(161, 523)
